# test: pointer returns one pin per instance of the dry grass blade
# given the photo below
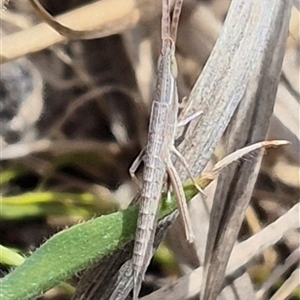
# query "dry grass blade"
(59, 148)
(190, 285)
(241, 46)
(61, 29)
(236, 155)
(288, 287)
(109, 16)
(240, 289)
(219, 166)
(293, 259)
(249, 124)
(264, 239)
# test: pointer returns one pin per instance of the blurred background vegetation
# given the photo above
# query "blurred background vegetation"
(74, 116)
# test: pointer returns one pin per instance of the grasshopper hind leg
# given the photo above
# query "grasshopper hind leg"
(181, 201)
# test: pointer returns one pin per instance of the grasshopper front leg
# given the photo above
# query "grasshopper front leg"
(185, 164)
(135, 166)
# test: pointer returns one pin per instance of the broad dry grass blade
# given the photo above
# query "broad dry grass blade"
(249, 125)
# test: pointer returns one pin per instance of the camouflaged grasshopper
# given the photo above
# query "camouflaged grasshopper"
(158, 151)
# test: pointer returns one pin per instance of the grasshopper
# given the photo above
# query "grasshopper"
(158, 151)
(161, 139)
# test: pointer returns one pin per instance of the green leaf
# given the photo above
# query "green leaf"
(10, 257)
(8, 175)
(53, 203)
(73, 250)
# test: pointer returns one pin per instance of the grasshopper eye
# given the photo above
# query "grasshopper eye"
(174, 69)
(159, 62)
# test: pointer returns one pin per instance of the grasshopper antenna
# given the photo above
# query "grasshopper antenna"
(175, 19)
(169, 27)
(165, 24)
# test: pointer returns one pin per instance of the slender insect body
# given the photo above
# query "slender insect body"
(157, 154)
(162, 129)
